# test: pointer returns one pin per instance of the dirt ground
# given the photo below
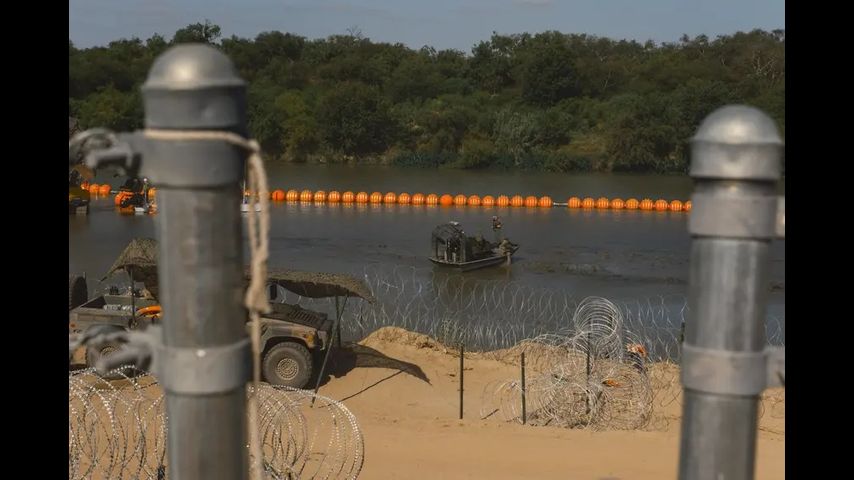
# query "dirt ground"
(404, 390)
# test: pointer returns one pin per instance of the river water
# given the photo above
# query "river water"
(623, 255)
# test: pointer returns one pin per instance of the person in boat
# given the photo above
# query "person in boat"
(139, 193)
(496, 227)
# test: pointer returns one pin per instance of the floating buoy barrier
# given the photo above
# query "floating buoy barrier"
(445, 199)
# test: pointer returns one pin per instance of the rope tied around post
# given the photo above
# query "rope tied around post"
(255, 299)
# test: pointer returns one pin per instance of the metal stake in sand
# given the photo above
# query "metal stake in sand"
(524, 410)
(462, 358)
(735, 162)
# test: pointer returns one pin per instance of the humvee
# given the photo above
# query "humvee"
(293, 338)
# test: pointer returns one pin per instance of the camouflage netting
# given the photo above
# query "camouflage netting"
(320, 285)
(139, 260)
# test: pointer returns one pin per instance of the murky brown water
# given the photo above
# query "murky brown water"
(615, 254)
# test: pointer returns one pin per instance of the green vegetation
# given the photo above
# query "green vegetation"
(550, 101)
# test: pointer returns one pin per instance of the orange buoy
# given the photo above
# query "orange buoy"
(93, 188)
(502, 201)
(474, 200)
(404, 198)
(603, 203)
(362, 197)
(319, 196)
(348, 197)
(573, 202)
(646, 204)
(687, 206)
(292, 196)
(305, 196)
(432, 199)
(104, 189)
(84, 185)
(119, 197)
(675, 206)
(617, 204)
(333, 197)
(390, 197)
(530, 201)
(488, 201)
(277, 195)
(661, 205)
(460, 200)
(588, 203)
(632, 204)
(446, 200)
(376, 197)
(418, 199)
(545, 202)
(517, 201)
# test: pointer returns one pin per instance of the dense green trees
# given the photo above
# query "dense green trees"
(549, 101)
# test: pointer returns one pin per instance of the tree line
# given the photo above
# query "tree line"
(549, 101)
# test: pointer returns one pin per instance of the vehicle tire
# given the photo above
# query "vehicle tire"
(95, 354)
(288, 364)
(78, 293)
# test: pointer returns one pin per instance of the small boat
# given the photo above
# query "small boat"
(451, 247)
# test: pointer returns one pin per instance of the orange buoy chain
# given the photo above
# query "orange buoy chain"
(460, 200)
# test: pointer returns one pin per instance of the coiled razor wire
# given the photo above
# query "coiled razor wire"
(488, 315)
(117, 430)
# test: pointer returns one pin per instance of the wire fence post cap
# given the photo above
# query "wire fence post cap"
(195, 86)
(736, 142)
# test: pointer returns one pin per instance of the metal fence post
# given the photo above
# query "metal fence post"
(725, 364)
(195, 87)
